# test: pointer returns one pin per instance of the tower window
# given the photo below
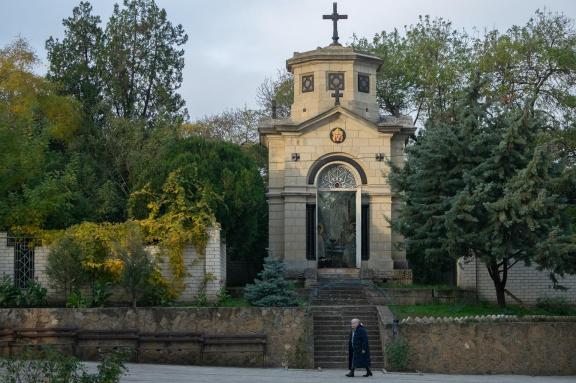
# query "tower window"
(363, 83)
(308, 83)
(336, 81)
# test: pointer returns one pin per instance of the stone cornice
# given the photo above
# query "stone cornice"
(333, 53)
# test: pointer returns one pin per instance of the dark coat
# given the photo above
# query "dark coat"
(359, 351)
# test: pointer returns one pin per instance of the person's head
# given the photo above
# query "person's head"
(354, 323)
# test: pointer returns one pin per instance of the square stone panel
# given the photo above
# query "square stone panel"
(336, 81)
(308, 83)
(363, 83)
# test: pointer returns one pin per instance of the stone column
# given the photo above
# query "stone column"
(215, 264)
(295, 234)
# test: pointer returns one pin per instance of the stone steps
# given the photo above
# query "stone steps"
(332, 309)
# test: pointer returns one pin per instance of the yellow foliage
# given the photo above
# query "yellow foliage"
(98, 241)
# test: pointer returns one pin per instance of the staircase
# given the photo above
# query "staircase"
(337, 303)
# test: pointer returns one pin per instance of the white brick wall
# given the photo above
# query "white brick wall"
(524, 282)
(6, 257)
(197, 267)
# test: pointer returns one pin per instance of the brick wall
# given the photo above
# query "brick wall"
(524, 282)
(197, 266)
(6, 257)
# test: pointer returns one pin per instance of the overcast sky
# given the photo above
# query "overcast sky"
(234, 45)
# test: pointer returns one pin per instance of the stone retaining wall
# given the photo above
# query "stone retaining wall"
(540, 346)
(419, 296)
(288, 343)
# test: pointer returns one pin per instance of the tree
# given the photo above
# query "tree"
(429, 64)
(533, 66)
(423, 69)
(142, 61)
(279, 90)
(480, 186)
(138, 266)
(38, 179)
(64, 266)
(222, 175)
(238, 126)
(271, 289)
(75, 62)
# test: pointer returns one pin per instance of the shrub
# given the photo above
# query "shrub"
(8, 292)
(33, 295)
(397, 354)
(138, 266)
(271, 289)
(554, 306)
(64, 266)
(76, 300)
(51, 367)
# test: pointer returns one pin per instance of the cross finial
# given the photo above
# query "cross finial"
(337, 96)
(334, 17)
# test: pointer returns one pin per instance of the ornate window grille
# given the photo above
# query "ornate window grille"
(23, 262)
(337, 177)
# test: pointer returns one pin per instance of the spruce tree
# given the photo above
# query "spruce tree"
(271, 289)
(480, 185)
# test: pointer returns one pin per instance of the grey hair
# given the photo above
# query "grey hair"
(355, 320)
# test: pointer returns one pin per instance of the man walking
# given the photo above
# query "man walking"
(358, 349)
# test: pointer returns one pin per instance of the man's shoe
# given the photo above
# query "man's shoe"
(350, 374)
(368, 373)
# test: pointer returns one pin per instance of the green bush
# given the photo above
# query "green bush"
(138, 266)
(271, 289)
(397, 355)
(50, 366)
(64, 268)
(33, 295)
(8, 292)
(76, 300)
(554, 306)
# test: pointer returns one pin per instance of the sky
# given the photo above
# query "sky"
(234, 45)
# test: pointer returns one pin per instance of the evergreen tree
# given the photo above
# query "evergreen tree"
(481, 185)
(271, 289)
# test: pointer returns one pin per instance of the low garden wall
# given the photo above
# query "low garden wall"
(238, 336)
(529, 346)
(419, 296)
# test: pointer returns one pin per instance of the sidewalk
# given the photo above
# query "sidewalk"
(144, 373)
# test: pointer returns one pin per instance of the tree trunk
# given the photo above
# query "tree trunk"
(500, 295)
(499, 280)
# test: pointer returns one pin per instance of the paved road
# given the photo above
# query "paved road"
(145, 373)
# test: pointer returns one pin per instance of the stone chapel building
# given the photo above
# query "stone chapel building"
(328, 192)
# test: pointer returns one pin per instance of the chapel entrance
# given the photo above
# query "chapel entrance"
(337, 214)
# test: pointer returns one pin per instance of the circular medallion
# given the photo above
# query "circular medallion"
(337, 135)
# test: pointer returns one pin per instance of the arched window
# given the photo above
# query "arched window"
(336, 176)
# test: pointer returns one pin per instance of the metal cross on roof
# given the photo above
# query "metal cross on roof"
(337, 96)
(334, 17)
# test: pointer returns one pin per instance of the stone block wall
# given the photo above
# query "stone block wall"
(524, 282)
(197, 267)
(286, 330)
(521, 347)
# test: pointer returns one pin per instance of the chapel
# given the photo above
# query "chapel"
(329, 198)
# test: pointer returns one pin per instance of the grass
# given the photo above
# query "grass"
(234, 302)
(482, 308)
